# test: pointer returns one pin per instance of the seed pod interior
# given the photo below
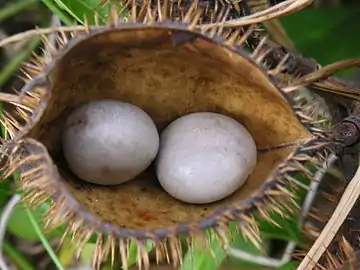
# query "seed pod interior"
(168, 73)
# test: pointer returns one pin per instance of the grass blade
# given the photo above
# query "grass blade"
(43, 239)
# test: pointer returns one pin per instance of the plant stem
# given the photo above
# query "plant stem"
(16, 257)
(15, 63)
(5, 216)
(15, 8)
(43, 239)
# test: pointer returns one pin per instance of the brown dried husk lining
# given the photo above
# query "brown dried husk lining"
(169, 70)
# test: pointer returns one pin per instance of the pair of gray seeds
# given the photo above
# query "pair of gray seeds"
(200, 157)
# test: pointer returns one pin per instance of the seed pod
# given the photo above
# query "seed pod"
(169, 69)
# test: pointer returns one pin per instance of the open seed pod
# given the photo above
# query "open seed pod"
(169, 69)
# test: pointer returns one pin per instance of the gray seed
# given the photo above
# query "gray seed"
(109, 142)
(204, 157)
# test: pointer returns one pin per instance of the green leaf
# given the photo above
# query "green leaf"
(327, 34)
(5, 191)
(66, 252)
(43, 239)
(87, 254)
(20, 219)
(203, 259)
(68, 248)
(199, 258)
(241, 243)
(79, 9)
(288, 228)
(63, 15)
(133, 252)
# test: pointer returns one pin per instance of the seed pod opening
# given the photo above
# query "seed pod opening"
(168, 69)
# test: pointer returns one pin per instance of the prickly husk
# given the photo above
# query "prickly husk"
(169, 69)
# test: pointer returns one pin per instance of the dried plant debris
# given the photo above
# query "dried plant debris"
(352, 261)
(341, 251)
(342, 98)
(169, 68)
(334, 234)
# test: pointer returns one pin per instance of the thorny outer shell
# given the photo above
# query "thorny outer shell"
(181, 71)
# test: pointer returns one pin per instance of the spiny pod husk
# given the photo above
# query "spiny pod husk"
(168, 69)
